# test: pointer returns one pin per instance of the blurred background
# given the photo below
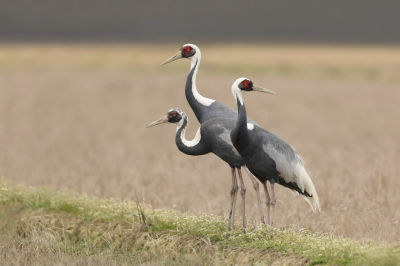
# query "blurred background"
(80, 80)
(360, 21)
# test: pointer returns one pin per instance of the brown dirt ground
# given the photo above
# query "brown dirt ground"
(75, 117)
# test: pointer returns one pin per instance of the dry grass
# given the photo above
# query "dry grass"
(75, 116)
(43, 225)
(354, 62)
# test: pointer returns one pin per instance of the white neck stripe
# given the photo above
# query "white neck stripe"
(201, 99)
(191, 143)
(188, 143)
(236, 92)
(238, 95)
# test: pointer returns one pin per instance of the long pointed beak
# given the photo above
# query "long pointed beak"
(162, 120)
(176, 56)
(257, 88)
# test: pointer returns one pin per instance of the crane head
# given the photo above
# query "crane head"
(244, 85)
(174, 115)
(187, 51)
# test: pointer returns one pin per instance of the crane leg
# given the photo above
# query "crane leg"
(267, 202)
(272, 202)
(243, 193)
(256, 187)
(231, 223)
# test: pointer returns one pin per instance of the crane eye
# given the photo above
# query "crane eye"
(188, 51)
(173, 114)
(246, 85)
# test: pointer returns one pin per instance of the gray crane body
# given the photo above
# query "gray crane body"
(275, 153)
(205, 112)
(267, 156)
(217, 120)
(214, 138)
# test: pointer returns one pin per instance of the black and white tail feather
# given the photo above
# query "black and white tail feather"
(305, 184)
(294, 171)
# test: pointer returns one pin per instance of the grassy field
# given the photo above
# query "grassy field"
(73, 228)
(74, 116)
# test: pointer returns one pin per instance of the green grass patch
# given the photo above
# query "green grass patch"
(115, 225)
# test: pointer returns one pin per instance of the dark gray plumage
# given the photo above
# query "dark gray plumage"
(267, 156)
(206, 109)
(213, 136)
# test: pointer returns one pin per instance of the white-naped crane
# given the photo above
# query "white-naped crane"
(206, 109)
(267, 156)
(213, 136)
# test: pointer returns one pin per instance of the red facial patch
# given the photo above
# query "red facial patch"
(247, 84)
(188, 51)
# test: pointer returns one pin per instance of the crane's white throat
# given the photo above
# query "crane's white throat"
(236, 92)
(238, 95)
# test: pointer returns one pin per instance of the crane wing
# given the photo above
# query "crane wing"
(225, 135)
(218, 130)
(290, 165)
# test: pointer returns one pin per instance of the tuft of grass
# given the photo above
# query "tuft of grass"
(78, 223)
